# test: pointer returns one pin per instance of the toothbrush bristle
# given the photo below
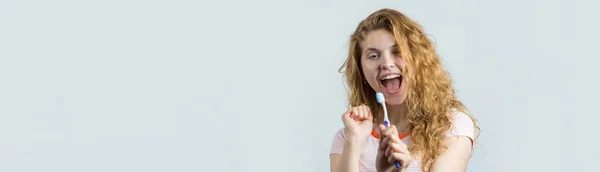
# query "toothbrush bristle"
(379, 97)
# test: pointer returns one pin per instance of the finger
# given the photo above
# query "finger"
(346, 115)
(395, 148)
(358, 113)
(352, 115)
(403, 158)
(391, 159)
(346, 118)
(388, 151)
(398, 148)
(365, 112)
(355, 112)
(363, 109)
(349, 112)
(369, 114)
(390, 131)
(384, 143)
(361, 112)
(395, 139)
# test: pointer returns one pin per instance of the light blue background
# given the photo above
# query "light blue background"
(253, 85)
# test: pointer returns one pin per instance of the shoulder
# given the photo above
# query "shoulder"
(459, 144)
(462, 125)
(340, 134)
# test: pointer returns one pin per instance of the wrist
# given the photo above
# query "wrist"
(354, 145)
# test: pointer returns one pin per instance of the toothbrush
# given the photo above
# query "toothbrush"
(386, 121)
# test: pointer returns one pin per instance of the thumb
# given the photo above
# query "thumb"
(381, 136)
(391, 131)
(346, 118)
(381, 128)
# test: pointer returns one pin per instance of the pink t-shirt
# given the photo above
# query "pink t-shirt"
(462, 125)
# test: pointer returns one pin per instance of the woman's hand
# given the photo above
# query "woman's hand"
(358, 122)
(391, 149)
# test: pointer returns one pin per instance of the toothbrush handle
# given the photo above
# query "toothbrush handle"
(387, 124)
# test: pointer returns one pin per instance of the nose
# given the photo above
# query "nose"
(387, 61)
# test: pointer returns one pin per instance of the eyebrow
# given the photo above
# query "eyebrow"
(375, 49)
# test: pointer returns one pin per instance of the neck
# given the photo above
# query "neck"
(397, 115)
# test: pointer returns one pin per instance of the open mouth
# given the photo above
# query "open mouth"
(391, 83)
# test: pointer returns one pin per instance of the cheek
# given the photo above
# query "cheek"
(401, 62)
(369, 70)
(370, 73)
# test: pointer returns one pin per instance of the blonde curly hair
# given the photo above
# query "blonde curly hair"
(431, 98)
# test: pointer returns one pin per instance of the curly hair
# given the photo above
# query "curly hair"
(431, 98)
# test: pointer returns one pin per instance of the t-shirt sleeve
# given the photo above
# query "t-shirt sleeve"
(462, 125)
(337, 145)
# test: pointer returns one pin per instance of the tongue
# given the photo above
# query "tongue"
(391, 84)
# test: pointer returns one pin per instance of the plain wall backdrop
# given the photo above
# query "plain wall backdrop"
(254, 85)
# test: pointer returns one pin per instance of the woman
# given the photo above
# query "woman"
(391, 54)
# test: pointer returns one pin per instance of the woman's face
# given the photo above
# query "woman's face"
(381, 64)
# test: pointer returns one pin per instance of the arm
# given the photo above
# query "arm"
(348, 160)
(456, 157)
(460, 146)
(349, 142)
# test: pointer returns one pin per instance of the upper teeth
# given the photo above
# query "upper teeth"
(390, 77)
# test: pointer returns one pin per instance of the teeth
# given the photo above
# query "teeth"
(390, 77)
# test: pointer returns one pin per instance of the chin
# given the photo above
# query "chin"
(395, 100)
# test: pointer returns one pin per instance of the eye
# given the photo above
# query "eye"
(396, 52)
(373, 56)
